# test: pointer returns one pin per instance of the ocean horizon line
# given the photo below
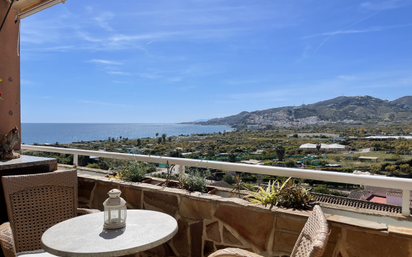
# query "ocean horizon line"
(47, 133)
(110, 123)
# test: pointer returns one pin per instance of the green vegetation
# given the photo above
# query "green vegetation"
(93, 166)
(323, 189)
(238, 186)
(229, 178)
(136, 171)
(195, 180)
(287, 194)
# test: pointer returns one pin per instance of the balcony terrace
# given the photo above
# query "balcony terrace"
(210, 222)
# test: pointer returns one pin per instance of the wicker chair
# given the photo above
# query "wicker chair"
(311, 241)
(35, 203)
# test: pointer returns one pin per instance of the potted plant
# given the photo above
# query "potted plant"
(287, 194)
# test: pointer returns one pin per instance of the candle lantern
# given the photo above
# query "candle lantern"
(115, 211)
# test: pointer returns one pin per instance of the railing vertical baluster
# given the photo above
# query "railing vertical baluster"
(76, 160)
(181, 171)
(405, 202)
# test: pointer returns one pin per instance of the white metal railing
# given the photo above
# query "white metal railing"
(390, 182)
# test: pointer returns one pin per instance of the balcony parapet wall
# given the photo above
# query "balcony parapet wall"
(209, 222)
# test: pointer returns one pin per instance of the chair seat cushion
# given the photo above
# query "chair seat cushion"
(37, 253)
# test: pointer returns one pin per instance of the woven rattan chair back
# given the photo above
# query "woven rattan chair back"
(37, 202)
(314, 236)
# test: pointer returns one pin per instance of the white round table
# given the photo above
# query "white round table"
(84, 236)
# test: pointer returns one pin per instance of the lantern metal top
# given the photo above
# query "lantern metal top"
(114, 193)
(114, 200)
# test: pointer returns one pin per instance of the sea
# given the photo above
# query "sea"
(50, 133)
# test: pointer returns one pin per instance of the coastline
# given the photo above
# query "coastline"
(65, 133)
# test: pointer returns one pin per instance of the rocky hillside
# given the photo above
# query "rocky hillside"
(358, 109)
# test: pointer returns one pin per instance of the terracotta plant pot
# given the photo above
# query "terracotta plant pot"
(147, 180)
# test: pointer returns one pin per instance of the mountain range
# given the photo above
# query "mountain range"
(354, 109)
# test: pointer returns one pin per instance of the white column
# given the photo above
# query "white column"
(405, 202)
(76, 160)
(181, 171)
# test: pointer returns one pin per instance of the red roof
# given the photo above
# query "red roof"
(377, 199)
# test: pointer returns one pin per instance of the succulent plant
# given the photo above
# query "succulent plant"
(287, 194)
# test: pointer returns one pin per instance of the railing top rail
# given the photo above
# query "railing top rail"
(381, 181)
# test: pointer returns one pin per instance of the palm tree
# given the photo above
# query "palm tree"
(280, 152)
(164, 137)
(318, 146)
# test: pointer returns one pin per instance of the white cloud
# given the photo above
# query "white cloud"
(148, 75)
(105, 103)
(347, 78)
(89, 9)
(241, 82)
(187, 87)
(51, 49)
(343, 29)
(102, 20)
(355, 31)
(272, 95)
(385, 5)
(118, 73)
(305, 53)
(105, 62)
(176, 79)
(127, 38)
(85, 36)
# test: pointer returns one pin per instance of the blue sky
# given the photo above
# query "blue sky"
(171, 61)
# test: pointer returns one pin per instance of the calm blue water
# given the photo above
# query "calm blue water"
(43, 133)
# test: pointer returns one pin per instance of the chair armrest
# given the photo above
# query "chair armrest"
(7, 240)
(83, 211)
(233, 252)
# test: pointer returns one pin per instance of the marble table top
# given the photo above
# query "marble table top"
(84, 235)
(25, 161)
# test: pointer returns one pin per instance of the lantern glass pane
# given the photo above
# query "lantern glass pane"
(114, 216)
(123, 213)
(106, 216)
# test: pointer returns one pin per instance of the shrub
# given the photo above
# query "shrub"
(339, 193)
(195, 181)
(93, 166)
(135, 171)
(405, 168)
(288, 195)
(295, 196)
(404, 162)
(228, 178)
(322, 189)
(251, 178)
(376, 168)
(164, 175)
(290, 163)
(346, 170)
(160, 175)
(391, 169)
